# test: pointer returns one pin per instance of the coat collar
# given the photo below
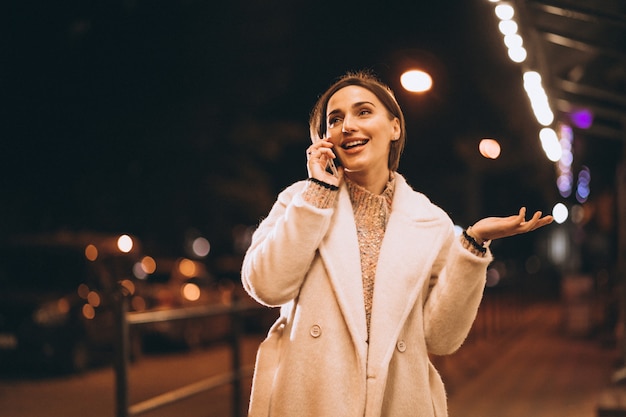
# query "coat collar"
(407, 254)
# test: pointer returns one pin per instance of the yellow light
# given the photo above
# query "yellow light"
(489, 148)
(190, 291)
(91, 252)
(93, 298)
(416, 81)
(148, 264)
(138, 303)
(88, 312)
(125, 243)
(187, 267)
(128, 286)
(63, 305)
(83, 291)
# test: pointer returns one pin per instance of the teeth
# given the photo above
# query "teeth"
(353, 144)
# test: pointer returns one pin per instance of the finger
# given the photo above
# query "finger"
(543, 222)
(535, 217)
(522, 213)
(537, 221)
(516, 219)
(530, 224)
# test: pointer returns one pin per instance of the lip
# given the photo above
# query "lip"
(354, 148)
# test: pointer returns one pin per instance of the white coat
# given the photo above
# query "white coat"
(316, 360)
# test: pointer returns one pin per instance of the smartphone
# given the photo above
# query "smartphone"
(331, 168)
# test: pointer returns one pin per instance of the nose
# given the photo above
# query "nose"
(348, 126)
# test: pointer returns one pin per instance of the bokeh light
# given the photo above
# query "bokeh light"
(582, 118)
(187, 267)
(91, 252)
(416, 81)
(190, 291)
(550, 144)
(201, 247)
(489, 148)
(560, 213)
(505, 11)
(125, 243)
(148, 264)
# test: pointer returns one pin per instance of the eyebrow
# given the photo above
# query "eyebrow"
(358, 104)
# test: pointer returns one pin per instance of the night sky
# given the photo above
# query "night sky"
(160, 117)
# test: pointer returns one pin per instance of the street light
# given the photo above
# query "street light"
(416, 81)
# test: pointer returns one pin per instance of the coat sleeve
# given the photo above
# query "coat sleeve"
(454, 297)
(283, 247)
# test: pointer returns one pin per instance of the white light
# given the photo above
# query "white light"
(550, 144)
(560, 213)
(125, 243)
(507, 27)
(543, 114)
(201, 247)
(416, 81)
(505, 11)
(513, 41)
(532, 77)
(138, 271)
(538, 98)
(518, 54)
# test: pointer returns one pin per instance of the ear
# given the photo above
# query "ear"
(395, 129)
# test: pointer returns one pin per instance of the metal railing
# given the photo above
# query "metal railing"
(125, 319)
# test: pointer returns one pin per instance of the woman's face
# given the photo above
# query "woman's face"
(361, 129)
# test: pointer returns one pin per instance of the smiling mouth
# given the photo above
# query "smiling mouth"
(354, 144)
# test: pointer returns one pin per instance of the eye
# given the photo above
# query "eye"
(365, 112)
(332, 121)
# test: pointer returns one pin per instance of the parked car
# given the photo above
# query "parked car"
(176, 283)
(56, 297)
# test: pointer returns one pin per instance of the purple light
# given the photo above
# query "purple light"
(582, 118)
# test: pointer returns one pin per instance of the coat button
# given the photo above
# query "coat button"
(316, 331)
(401, 346)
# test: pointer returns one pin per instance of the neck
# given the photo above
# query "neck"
(375, 183)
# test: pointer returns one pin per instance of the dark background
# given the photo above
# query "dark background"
(164, 118)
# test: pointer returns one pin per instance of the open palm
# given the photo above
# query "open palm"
(491, 228)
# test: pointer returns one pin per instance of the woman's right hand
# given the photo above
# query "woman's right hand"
(319, 155)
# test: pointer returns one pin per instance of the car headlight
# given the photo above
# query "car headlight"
(52, 313)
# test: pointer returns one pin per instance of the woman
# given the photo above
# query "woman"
(369, 274)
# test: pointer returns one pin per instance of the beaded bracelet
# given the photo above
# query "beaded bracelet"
(323, 184)
(480, 248)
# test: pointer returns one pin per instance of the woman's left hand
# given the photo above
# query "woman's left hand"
(491, 228)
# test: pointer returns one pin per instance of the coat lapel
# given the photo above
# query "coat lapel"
(408, 251)
(340, 253)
